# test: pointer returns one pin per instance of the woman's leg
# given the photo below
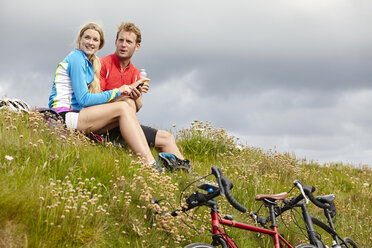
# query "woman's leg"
(100, 118)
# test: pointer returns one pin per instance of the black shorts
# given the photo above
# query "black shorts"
(150, 134)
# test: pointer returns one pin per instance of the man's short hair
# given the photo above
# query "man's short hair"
(130, 27)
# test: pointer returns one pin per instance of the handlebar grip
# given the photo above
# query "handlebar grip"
(216, 171)
(318, 203)
(234, 202)
(225, 185)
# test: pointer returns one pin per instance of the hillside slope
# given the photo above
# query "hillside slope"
(59, 189)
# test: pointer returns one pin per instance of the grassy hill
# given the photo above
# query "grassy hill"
(59, 189)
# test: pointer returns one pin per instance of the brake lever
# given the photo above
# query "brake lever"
(298, 184)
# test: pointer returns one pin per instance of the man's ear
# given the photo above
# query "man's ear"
(138, 45)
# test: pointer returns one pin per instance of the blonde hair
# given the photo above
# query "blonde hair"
(130, 27)
(94, 86)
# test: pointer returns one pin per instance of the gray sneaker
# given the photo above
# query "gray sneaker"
(156, 166)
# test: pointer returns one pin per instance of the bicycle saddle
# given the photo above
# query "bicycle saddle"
(280, 196)
(326, 198)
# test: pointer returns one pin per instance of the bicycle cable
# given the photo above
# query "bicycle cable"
(183, 191)
(294, 220)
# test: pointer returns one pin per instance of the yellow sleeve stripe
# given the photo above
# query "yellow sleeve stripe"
(113, 94)
(55, 82)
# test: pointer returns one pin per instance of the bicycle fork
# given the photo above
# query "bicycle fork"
(313, 235)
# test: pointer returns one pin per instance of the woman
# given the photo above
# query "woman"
(77, 97)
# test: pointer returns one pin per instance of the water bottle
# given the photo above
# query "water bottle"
(143, 74)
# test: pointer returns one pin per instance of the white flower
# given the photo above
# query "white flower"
(9, 158)
(239, 148)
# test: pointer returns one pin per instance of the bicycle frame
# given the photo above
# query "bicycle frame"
(217, 230)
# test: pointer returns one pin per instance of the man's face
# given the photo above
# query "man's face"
(126, 45)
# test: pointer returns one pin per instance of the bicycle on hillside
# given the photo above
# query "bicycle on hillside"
(329, 208)
(219, 235)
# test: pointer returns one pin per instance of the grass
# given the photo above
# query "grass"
(59, 189)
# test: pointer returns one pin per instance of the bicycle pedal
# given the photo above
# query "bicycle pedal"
(228, 217)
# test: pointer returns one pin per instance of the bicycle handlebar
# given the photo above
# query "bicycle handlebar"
(225, 185)
(308, 191)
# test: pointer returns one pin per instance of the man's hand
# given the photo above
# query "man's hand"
(139, 87)
(135, 94)
(145, 87)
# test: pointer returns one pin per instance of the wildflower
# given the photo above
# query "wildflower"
(173, 125)
(9, 158)
(239, 148)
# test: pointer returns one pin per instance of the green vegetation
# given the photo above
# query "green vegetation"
(59, 189)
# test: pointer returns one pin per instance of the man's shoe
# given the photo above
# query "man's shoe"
(156, 166)
(171, 162)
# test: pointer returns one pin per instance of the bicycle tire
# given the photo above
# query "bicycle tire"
(305, 246)
(350, 243)
(199, 245)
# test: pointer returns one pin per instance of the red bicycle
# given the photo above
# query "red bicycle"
(219, 236)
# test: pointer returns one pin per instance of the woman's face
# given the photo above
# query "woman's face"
(89, 42)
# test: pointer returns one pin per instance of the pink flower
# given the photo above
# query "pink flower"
(9, 158)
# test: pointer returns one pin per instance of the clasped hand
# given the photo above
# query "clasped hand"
(133, 91)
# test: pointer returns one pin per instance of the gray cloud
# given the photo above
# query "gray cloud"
(293, 75)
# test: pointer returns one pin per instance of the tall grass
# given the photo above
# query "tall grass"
(59, 189)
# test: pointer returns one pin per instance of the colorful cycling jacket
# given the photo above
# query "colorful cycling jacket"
(70, 86)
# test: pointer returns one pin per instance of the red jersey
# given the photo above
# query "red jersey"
(111, 75)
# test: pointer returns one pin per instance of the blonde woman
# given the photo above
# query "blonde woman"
(77, 97)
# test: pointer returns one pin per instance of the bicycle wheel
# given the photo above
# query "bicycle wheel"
(350, 243)
(305, 246)
(199, 245)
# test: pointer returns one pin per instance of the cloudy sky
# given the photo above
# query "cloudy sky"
(289, 75)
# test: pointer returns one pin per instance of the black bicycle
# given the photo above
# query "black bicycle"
(329, 208)
(302, 200)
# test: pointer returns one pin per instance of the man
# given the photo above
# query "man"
(117, 70)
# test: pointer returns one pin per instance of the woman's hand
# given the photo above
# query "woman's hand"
(126, 90)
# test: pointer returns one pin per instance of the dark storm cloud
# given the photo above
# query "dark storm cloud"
(294, 75)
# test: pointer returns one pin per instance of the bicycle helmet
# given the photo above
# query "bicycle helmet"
(15, 105)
